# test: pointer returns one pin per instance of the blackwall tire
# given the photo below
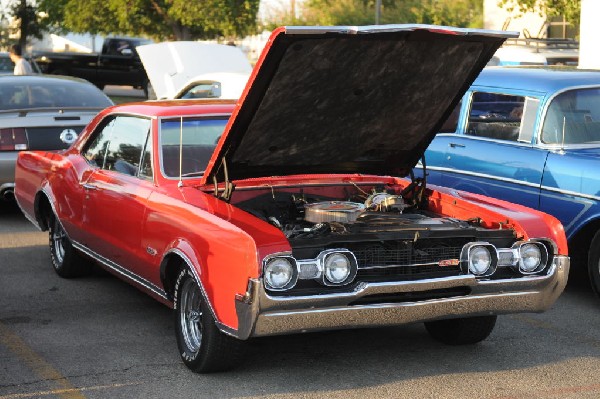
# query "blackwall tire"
(594, 263)
(66, 262)
(463, 331)
(203, 347)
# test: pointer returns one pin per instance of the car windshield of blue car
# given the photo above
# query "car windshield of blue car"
(194, 138)
(573, 117)
(25, 94)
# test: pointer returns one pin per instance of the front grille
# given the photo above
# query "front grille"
(407, 260)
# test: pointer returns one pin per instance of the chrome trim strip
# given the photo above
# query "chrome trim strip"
(407, 265)
(121, 270)
(514, 181)
(483, 175)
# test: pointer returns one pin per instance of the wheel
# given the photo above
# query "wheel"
(463, 331)
(594, 263)
(66, 261)
(203, 347)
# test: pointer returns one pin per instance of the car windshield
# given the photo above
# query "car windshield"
(198, 138)
(20, 93)
(573, 117)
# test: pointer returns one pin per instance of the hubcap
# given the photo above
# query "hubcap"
(190, 315)
(58, 237)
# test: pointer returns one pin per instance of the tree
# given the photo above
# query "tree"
(569, 9)
(462, 13)
(27, 21)
(160, 19)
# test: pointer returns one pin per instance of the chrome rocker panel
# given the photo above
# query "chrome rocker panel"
(261, 315)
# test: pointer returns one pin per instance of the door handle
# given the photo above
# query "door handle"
(456, 145)
(88, 186)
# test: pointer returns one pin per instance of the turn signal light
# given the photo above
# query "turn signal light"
(13, 139)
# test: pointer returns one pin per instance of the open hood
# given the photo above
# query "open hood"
(365, 100)
(173, 67)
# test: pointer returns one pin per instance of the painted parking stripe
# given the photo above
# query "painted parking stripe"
(43, 369)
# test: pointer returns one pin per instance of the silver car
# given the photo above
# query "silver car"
(42, 113)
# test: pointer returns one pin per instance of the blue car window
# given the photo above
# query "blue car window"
(573, 117)
(495, 116)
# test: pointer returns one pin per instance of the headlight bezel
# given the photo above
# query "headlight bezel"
(328, 254)
(544, 256)
(466, 256)
(293, 268)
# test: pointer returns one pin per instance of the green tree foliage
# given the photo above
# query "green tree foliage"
(462, 13)
(160, 19)
(27, 22)
(569, 9)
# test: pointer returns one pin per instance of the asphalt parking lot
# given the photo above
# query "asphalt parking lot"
(97, 337)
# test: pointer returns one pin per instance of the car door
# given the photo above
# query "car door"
(117, 192)
(492, 152)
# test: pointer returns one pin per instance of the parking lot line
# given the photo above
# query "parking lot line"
(43, 369)
(61, 392)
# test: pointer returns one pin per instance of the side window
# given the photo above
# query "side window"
(95, 152)
(495, 116)
(127, 141)
(119, 144)
(573, 117)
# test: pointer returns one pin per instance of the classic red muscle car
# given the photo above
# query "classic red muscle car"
(302, 215)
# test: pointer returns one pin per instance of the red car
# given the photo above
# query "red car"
(302, 215)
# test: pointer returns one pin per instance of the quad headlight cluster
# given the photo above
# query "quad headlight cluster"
(332, 267)
(338, 267)
(482, 258)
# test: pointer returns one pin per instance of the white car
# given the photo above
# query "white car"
(181, 70)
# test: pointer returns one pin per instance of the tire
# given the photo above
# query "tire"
(203, 347)
(464, 331)
(594, 263)
(66, 261)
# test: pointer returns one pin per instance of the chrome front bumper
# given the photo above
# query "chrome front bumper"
(260, 314)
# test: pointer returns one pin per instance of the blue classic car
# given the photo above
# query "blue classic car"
(531, 136)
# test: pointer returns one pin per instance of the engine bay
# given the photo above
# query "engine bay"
(352, 212)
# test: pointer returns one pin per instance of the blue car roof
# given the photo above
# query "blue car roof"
(538, 79)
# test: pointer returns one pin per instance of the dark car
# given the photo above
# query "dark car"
(42, 113)
(530, 136)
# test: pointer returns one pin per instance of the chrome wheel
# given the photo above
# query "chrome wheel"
(190, 315)
(58, 237)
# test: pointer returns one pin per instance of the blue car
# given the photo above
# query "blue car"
(530, 136)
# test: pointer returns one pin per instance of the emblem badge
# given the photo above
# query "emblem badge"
(68, 136)
(448, 262)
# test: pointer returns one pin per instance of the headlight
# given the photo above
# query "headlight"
(336, 268)
(480, 260)
(280, 274)
(339, 267)
(531, 258)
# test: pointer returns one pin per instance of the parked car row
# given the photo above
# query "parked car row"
(295, 208)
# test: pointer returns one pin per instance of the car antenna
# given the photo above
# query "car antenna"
(180, 184)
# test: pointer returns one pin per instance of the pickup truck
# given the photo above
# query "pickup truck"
(117, 64)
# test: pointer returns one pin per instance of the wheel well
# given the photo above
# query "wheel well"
(43, 210)
(171, 266)
(579, 244)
